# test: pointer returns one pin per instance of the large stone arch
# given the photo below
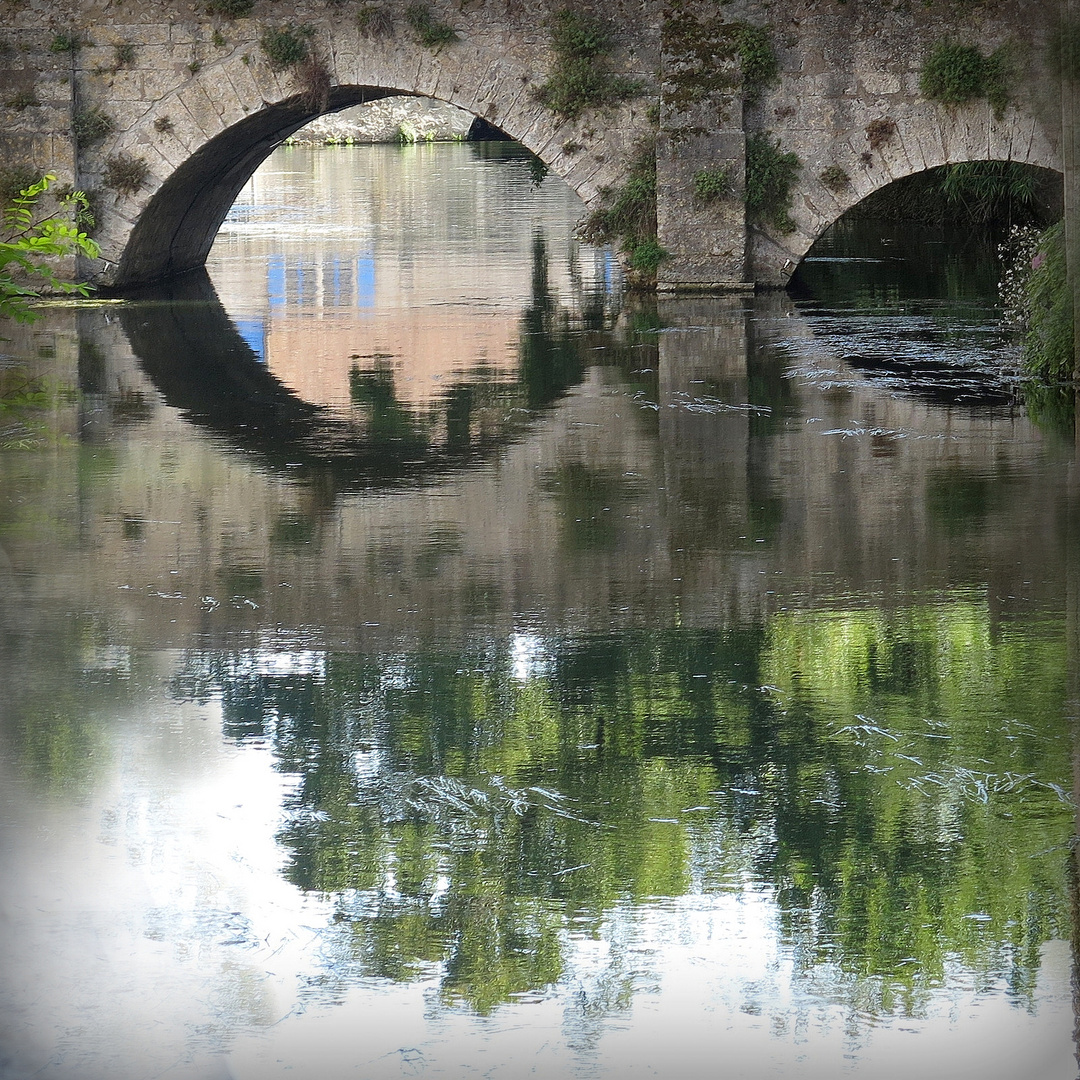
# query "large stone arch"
(203, 139)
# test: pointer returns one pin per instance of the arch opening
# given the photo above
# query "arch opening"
(973, 196)
(176, 229)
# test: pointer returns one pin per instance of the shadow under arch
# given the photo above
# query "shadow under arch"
(913, 196)
(176, 229)
(191, 350)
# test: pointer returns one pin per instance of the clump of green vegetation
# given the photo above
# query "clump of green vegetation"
(712, 184)
(13, 181)
(834, 178)
(628, 216)
(432, 33)
(579, 78)
(82, 204)
(286, 46)
(957, 74)
(22, 99)
(123, 55)
(65, 43)
(231, 9)
(1048, 347)
(28, 244)
(217, 39)
(194, 67)
(760, 65)
(538, 170)
(374, 21)
(770, 176)
(125, 174)
(91, 126)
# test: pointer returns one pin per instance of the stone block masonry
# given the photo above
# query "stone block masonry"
(161, 111)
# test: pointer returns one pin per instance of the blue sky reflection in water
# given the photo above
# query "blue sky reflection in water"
(421, 661)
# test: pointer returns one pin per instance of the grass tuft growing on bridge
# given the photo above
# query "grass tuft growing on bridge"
(125, 174)
(579, 79)
(760, 65)
(770, 176)
(958, 74)
(231, 9)
(628, 217)
(713, 184)
(432, 33)
(287, 46)
(91, 126)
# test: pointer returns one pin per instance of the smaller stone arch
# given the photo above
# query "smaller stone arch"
(910, 145)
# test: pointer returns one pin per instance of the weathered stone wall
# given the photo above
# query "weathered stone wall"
(196, 107)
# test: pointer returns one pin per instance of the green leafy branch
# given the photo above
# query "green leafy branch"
(30, 242)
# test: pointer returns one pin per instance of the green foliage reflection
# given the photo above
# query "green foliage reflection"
(893, 782)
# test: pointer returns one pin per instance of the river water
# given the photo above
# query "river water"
(421, 659)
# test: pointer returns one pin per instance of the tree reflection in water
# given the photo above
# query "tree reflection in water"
(879, 777)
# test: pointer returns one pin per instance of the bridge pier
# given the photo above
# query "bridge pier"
(701, 137)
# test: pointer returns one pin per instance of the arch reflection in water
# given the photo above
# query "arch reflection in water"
(204, 365)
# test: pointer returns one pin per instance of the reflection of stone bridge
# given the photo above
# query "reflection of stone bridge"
(166, 111)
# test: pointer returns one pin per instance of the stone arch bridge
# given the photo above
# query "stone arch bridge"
(164, 109)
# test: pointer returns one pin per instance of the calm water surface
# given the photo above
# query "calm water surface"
(419, 659)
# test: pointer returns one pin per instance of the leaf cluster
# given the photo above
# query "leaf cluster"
(287, 46)
(65, 43)
(956, 74)
(231, 9)
(579, 78)
(770, 176)
(125, 174)
(430, 32)
(29, 242)
(628, 216)
(760, 65)
(712, 184)
(1048, 348)
(91, 126)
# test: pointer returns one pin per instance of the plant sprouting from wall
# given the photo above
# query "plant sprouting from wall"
(231, 9)
(123, 55)
(770, 176)
(286, 46)
(760, 66)
(628, 217)
(879, 132)
(313, 78)
(22, 99)
(374, 21)
(430, 32)
(125, 174)
(958, 74)
(1048, 348)
(65, 43)
(835, 178)
(91, 126)
(712, 184)
(579, 78)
